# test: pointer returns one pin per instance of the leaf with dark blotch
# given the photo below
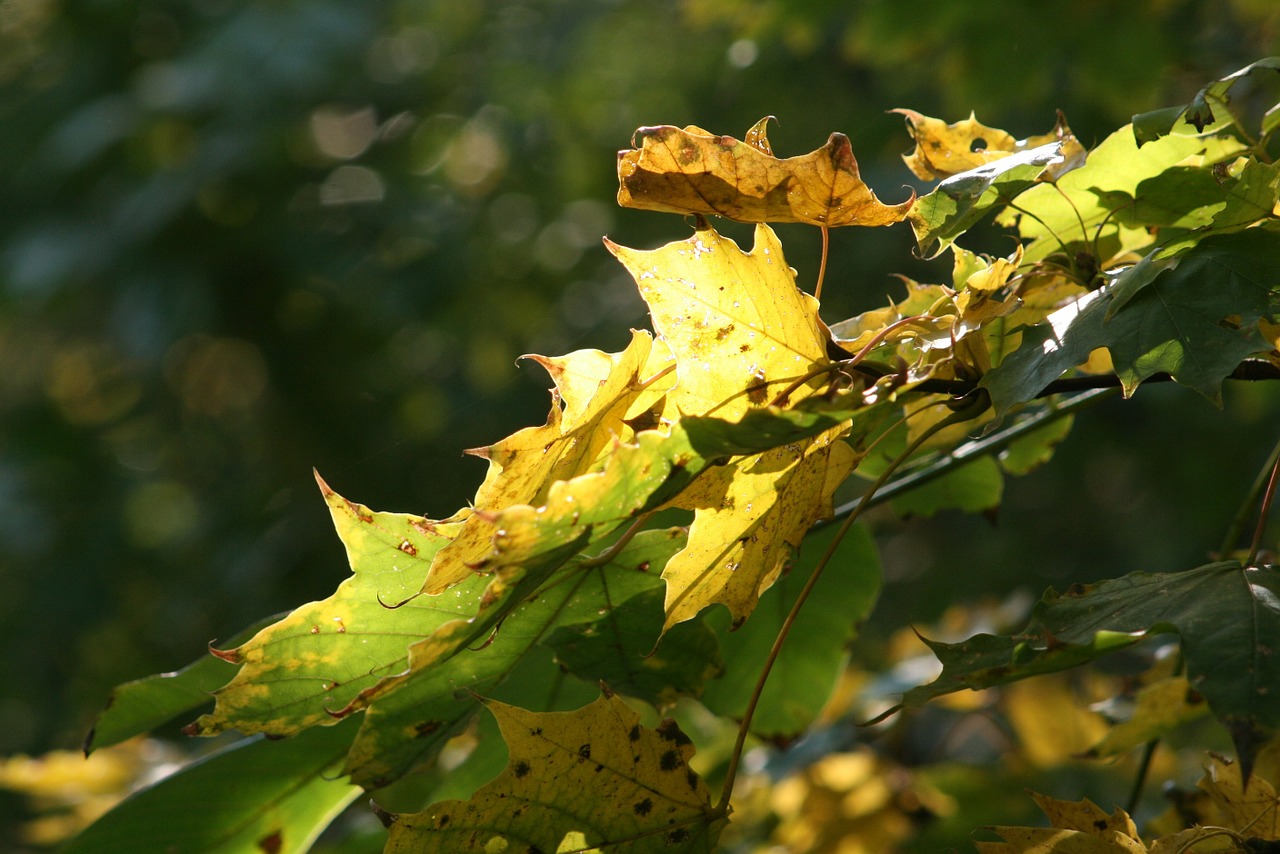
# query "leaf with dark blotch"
(593, 778)
(694, 171)
(1227, 616)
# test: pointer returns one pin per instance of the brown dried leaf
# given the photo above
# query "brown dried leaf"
(694, 171)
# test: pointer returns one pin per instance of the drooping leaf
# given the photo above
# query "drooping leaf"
(943, 150)
(1195, 320)
(144, 704)
(256, 795)
(1200, 114)
(694, 171)
(1223, 613)
(750, 515)
(714, 304)
(298, 671)
(816, 650)
(590, 778)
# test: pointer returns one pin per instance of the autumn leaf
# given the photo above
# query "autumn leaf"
(695, 171)
(943, 150)
(715, 305)
(1158, 708)
(592, 395)
(576, 780)
(297, 671)
(1078, 827)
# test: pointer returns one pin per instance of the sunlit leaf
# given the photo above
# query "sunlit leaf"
(943, 150)
(593, 392)
(596, 776)
(695, 171)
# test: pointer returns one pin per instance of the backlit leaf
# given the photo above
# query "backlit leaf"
(695, 171)
(594, 776)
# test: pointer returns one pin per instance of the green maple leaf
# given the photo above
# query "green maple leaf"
(576, 780)
(1195, 320)
(1227, 616)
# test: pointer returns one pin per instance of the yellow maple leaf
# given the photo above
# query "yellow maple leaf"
(740, 313)
(749, 515)
(691, 170)
(1079, 827)
(738, 326)
(943, 150)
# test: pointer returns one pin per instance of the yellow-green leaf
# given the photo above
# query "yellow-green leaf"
(594, 776)
(593, 392)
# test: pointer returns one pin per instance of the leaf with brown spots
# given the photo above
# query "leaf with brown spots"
(741, 312)
(595, 776)
(695, 171)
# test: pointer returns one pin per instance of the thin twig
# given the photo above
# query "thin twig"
(1144, 766)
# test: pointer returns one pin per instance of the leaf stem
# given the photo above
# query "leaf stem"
(822, 265)
(1144, 766)
(1263, 513)
(1234, 532)
(965, 413)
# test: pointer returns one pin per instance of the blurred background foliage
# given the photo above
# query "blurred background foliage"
(241, 240)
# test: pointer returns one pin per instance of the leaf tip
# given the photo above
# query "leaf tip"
(325, 489)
